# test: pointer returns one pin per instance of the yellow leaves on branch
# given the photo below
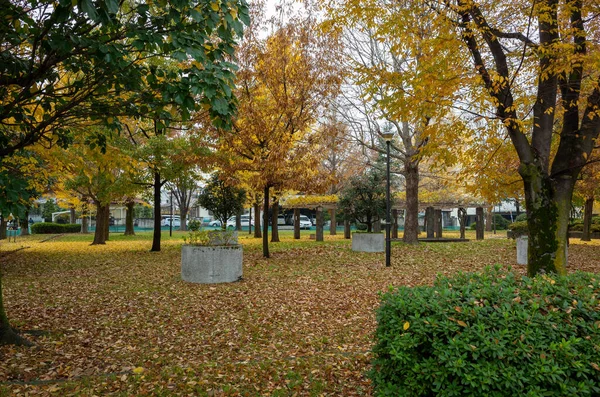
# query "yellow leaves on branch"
(309, 200)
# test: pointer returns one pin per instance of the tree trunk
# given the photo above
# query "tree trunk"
(462, 220)
(238, 221)
(479, 223)
(257, 230)
(3, 226)
(411, 213)
(296, 223)
(8, 336)
(129, 231)
(488, 219)
(84, 219)
(347, 234)
(394, 223)
(72, 215)
(250, 220)
(183, 214)
(25, 224)
(548, 205)
(101, 219)
(265, 235)
(333, 224)
(587, 219)
(319, 231)
(107, 223)
(157, 231)
(274, 225)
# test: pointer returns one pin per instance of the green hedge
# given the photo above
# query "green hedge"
(53, 228)
(490, 334)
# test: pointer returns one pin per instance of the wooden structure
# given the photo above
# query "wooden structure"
(433, 217)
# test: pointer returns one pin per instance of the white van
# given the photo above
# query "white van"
(166, 221)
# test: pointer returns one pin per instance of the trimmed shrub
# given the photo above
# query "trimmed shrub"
(54, 228)
(490, 334)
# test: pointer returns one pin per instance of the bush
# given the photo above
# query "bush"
(522, 217)
(519, 229)
(473, 226)
(54, 228)
(501, 222)
(490, 334)
(361, 227)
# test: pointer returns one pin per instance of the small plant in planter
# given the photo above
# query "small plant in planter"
(363, 201)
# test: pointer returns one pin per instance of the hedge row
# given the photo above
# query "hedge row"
(490, 334)
(53, 228)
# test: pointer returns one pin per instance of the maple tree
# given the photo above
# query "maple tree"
(283, 84)
(588, 188)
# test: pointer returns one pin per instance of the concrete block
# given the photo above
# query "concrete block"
(368, 242)
(522, 242)
(211, 264)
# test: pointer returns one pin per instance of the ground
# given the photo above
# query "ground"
(117, 319)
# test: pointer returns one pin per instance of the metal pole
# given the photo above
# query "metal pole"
(388, 242)
(171, 219)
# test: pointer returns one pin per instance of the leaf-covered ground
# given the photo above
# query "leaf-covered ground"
(117, 319)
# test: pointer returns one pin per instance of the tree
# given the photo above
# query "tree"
(363, 199)
(396, 85)
(65, 62)
(283, 85)
(587, 189)
(222, 197)
(559, 58)
(49, 208)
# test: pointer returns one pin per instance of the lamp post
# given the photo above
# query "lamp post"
(388, 242)
(171, 219)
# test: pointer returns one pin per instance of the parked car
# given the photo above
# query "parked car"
(245, 219)
(215, 223)
(167, 222)
(305, 223)
(280, 220)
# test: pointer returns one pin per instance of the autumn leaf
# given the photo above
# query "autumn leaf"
(406, 325)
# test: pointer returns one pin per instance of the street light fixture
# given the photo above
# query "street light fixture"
(388, 224)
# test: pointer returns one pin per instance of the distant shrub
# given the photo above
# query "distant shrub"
(501, 222)
(473, 226)
(490, 334)
(361, 227)
(521, 217)
(54, 228)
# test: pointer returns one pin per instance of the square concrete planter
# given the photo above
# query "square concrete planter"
(211, 264)
(368, 242)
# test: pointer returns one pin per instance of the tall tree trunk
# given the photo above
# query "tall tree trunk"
(296, 223)
(257, 230)
(394, 223)
(274, 225)
(84, 219)
(548, 205)
(8, 336)
(411, 214)
(333, 224)
(238, 221)
(101, 219)
(265, 236)
(72, 215)
(183, 214)
(488, 219)
(250, 220)
(129, 231)
(462, 220)
(24, 222)
(587, 219)
(107, 223)
(157, 231)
